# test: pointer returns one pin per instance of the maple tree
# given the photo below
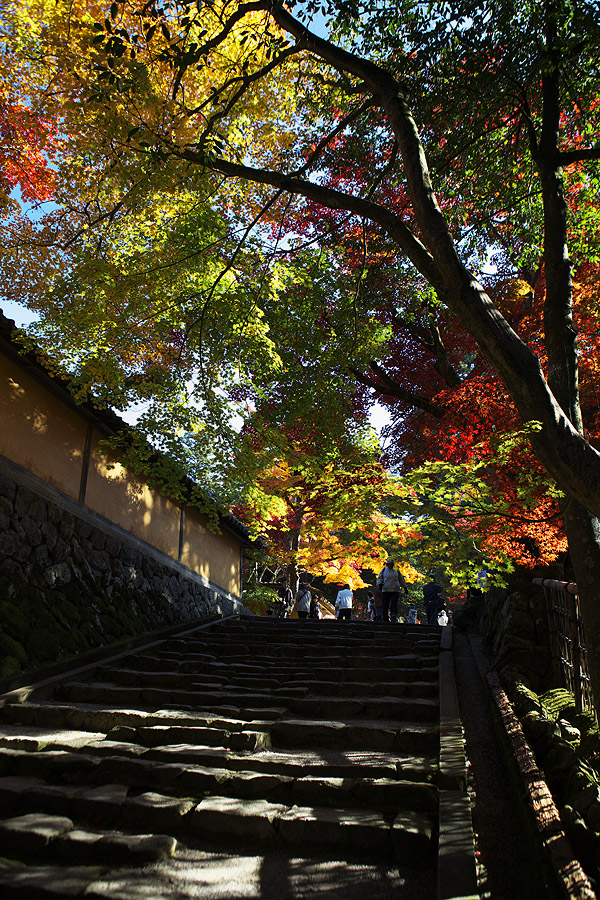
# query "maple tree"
(424, 134)
(474, 414)
(464, 425)
(325, 513)
(26, 140)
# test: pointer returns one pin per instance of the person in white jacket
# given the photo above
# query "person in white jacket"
(343, 603)
(391, 582)
(303, 599)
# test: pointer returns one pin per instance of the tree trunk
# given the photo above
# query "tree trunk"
(581, 526)
(583, 533)
(293, 574)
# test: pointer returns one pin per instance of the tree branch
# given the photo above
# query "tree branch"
(333, 199)
(392, 389)
(568, 157)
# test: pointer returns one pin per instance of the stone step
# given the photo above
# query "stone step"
(211, 667)
(278, 652)
(345, 833)
(398, 708)
(415, 737)
(288, 649)
(324, 630)
(33, 737)
(55, 782)
(378, 735)
(358, 688)
(41, 835)
(336, 763)
(39, 882)
(294, 637)
(290, 733)
(401, 688)
(235, 734)
(37, 836)
(218, 875)
(100, 718)
(295, 699)
(262, 738)
(161, 735)
(99, 761)
(151, 697)
(299, 699)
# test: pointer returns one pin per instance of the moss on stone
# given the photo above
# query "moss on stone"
(90, 634)
(29, 594)
(571, 767)
(9, 666)
(109, 626)
(70, 612)
(71, 645)
(13, 618)
(127, 622)
(12, 648)
(45, 645)
(61, 619)
(73, 592)
(525, 699)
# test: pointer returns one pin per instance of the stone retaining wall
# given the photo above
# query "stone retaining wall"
(71, 581)
(515, 632)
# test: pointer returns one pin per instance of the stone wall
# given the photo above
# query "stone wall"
(514, 626)
(71, 581)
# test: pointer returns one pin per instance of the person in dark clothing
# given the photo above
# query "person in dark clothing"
(286, 600)
(434, 601)
(390, 581)
(378, 605)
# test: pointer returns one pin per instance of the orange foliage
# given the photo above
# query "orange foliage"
(27, 142)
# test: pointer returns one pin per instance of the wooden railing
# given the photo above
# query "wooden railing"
(567, 640)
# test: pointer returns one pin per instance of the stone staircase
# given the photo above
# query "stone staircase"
(247, 758)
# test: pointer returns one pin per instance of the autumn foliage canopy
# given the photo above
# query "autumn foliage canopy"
(244, 243)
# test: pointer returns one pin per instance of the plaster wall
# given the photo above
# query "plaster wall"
(118, 495)
(38, 431)
(215, 556)
(46, 436)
